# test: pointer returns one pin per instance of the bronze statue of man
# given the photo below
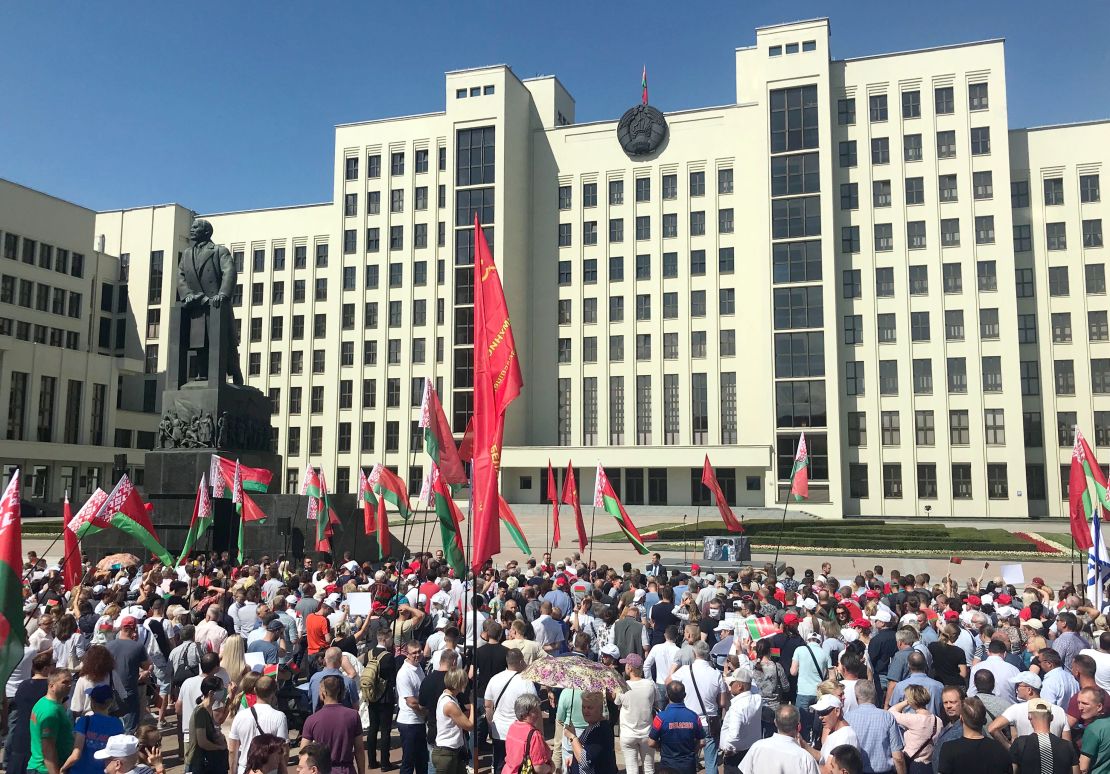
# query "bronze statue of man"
(206, 281)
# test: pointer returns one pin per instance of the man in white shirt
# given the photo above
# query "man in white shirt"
(210, 633)
(410, 716)
(780, 753)
(502, 691)
(247, 723)
(742, 726)
(705, 696)
(189, 692)
(1004, 672)
(831, 711)
(662, 658)
(549, 634)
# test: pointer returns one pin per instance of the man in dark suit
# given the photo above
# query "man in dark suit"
(206, 282)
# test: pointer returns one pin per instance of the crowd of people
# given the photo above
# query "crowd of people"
(752, 670)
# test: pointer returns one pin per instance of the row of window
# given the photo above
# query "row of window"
(1059, 283)
(912, 149)
(944, 103)
(40, 334)
(726, 264)
(916, 235)
(998, 487)
(698, 416)
(47, 256)
(726, 307)
(947, 190)
(698, 345)
(395, 279)
(40, 296)
(46, 423)
(726, 224)
(956, 370)
(396, 164)
(417, 318)
(417, 354)
(920, 329)
(959, 428)
(643, 189)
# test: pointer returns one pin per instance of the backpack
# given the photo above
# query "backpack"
(371, 685)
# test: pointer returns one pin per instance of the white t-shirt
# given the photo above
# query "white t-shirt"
(188, 694)
(710, 686)
(841, 736)
(409, 679)
(503, 713)
(1018, 715)
(243, 728)
(437, 654)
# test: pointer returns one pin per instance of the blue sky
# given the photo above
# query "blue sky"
(223, 106)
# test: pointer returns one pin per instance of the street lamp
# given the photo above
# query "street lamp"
(928, 511)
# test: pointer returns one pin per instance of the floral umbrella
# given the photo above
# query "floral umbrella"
(574, 672)
(117, 561)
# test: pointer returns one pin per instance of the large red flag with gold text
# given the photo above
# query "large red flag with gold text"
(553, 496)
(709, 480)
(497, 381)
(570, 497)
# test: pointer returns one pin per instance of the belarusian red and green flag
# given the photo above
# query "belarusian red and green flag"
(449, 520)
(1087, 492)
(643, 85)
(799, 474)
(389, 485)
(125, 510)
(606, 497)
(246, 507)
(381, 534)
(221, 473)
(438, 441)
(758, 628)
(201, 521)
(326, 519)
(13, 631)
(369, 502)
(508, 518)
(71, 559)
(310, 488)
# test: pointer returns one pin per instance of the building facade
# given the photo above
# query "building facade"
(861, 250)
(71, 362)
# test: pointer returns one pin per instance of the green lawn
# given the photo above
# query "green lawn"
(866, 535)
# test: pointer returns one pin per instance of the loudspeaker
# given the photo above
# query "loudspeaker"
(285, 523)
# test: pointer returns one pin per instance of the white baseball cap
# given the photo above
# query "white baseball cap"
(727, 625)
(827, 702)
(118, 746)
(882, 615)
(611, 650)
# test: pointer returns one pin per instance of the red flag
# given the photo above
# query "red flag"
(570, 497)
(71, 569)
(956, 560)
(1087, 492)
(366, 497)
(709, 480)
(497, 381)
(466, 446)
(383, 529)
(13, 631)
(553, 496)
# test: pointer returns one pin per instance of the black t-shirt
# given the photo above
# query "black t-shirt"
(387, 671)
(947, 660)
(983, 756)
(881, 650)
(26, 696)
(661, 617)
(489, 660)
(708, 625)
(599, 749)
(1026, 753)
(430, 691)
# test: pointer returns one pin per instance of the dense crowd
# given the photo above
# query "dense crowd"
(752, 670)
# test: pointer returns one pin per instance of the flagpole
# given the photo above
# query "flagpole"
(593, 514)
(405, 528)
(782, 526)
(697, 523)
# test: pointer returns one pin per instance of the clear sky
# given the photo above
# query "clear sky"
(231, 105)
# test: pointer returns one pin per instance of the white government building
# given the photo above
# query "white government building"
(860, 249)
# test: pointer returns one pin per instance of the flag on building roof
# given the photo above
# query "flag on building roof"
(1087, 492)
(709, 480)
(125, 510)
(13, 630)
(643, 85)
(606, 497)
(508, 518)
(799, 474)
(447, 513)
(570, 497)
(201, 520)
(438, 441)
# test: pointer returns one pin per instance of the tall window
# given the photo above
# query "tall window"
(699, 409)
(643, 410)
(616, 410)
(564, 412)
(670, 409)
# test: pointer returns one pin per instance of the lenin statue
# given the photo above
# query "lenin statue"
(205, 284)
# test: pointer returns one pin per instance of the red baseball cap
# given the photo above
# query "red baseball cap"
(872, 594)
(1038, 581)
(972, 599)
(930, 614)
(129, 622)
(1003, 599)
(695, 568)
(951, 615)
(780, 595)
(1025, 614)
(861, 623)
(790, 620)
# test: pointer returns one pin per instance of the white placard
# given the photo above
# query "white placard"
(360, 602)
(1013, 573)
(254, 659)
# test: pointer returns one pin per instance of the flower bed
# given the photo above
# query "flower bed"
(1044, 545)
